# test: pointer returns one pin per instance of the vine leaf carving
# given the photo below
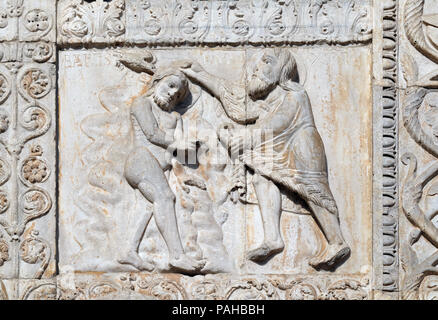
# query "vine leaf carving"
(416, 93)
(33, 250)
(415, 31)
(412, 193)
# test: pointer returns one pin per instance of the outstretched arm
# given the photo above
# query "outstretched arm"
(142, 111)
(231, 95)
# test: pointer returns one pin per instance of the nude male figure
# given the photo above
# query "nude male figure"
(280, 119)
(158, 132)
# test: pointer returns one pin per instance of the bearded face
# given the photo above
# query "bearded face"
(168, 92)
(259, 87)
(162, 101)
(264, 78)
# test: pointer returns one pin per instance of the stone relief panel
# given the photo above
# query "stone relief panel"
(203, 210)
(303, 238)
(182, 22)
(418, 162)
(218, 149)
(166, 163)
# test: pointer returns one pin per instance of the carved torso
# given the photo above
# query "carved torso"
(166, 122)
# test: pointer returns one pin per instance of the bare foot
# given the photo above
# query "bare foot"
(333, 254)
(186, 264)
(134, 260)
(265, 251)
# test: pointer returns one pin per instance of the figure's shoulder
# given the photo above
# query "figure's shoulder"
(141, 102)
(295, 91)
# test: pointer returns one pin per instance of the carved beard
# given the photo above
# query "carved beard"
(260, 86)
(162, 102)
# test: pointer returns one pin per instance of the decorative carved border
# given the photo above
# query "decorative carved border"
(83, 286)
(123, 21)
(390, 146)
(418, 280)
(216, 22)
(27, 132)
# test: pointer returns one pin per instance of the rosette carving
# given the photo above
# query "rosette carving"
(38, 21)
(35, 83)
(35, 170)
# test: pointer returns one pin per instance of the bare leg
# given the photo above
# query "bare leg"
(164, 213)
(132, 256)
(269, 199)
(337, 249)
(143, 172)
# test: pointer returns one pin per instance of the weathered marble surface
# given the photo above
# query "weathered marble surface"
(28, 135)
(81, 203)
(88, 182)
(418, 242)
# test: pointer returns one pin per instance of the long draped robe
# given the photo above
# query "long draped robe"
(293, 157)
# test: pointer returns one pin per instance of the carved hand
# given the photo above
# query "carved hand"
(224, 133)
(193, 70)
(182, 144)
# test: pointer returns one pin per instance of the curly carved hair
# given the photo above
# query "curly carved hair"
(163, 73)
(289, 70)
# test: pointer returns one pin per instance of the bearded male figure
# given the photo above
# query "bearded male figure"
(158, 131)
(282, 146)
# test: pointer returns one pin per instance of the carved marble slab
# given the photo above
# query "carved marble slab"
(98, 205)
(219, 149)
